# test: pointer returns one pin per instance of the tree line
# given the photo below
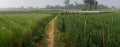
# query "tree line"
(88, 5)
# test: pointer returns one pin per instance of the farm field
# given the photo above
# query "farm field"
(22, 29)
(59, 23)
(88, 30)
(54, 29)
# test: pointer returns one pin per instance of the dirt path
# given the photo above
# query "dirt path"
(50, 33)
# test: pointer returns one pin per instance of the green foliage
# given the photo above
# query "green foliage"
(89, 30)
(66, 2)
(90, 4)
(16, 29)
(38, 30)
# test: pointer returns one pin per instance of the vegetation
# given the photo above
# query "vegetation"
(88, 30)
(96, 25)
(22, 29)
(90, 4)
(67, 2)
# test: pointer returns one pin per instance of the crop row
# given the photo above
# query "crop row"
(22, 30)
(88, 30)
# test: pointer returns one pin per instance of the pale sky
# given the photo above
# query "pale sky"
(43, 3)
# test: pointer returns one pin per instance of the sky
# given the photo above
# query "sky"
(43, 3)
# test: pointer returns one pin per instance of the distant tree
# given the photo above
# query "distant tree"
(22, 7)
(76, 3)
(57, 7)
(90, 4)
(48, 6)
(30, 7)
(102, 7)
(67, 2)
(96, 5)
(113, 7)
(70, 6)
(36, 7)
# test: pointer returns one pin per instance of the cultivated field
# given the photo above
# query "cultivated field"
(59, 29)
(88, 30)
(22, 29)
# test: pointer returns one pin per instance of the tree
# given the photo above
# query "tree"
(22, 7)
(113, 7)
(90, 4)
(67, 2)
(76, 3)
(48, 6)
(102, 7)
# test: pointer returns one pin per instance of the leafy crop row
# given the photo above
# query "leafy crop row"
(88, 30)
(22, 30)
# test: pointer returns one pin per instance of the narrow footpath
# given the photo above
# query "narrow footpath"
(50, 33)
